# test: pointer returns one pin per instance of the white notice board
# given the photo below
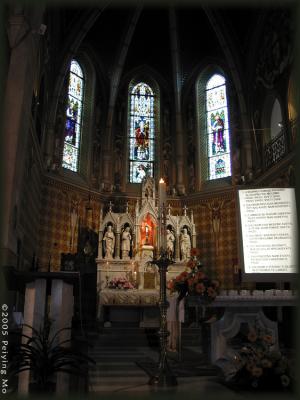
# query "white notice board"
(268, 220)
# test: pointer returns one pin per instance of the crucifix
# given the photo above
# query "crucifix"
(110, 206)
(184, 210)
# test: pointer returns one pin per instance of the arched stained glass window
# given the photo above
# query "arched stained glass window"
(217, 128)
(141, 135)
(73, 118)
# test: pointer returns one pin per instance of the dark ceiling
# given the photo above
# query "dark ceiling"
(151, 44)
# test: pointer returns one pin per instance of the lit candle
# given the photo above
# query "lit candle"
(162, 193)
(161, 203)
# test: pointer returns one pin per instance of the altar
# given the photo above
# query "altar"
(128, 241)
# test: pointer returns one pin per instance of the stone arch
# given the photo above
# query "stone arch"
(143, 76)
(272, 107)
(72, 44)
(202, 171)
(87, 148)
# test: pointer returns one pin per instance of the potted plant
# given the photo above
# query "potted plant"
(44, 355)
(256, 363)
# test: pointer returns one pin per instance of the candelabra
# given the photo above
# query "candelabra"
(163, 375)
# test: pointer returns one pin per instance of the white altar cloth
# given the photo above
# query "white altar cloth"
(129, 297)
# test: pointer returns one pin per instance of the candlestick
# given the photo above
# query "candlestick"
(161, 211)
(164, 375)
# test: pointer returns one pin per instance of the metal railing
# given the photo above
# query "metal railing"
(275, 150)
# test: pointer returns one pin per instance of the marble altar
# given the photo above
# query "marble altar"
(129, 240)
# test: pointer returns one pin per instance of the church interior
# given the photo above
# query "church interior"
(127, 130)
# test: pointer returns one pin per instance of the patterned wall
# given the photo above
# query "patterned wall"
(215, 220)
(55, 236)
(219, 250)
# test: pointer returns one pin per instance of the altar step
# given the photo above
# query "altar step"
(129, 368)
(145, 337)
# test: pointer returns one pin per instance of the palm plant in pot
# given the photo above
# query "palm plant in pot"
(45, 355)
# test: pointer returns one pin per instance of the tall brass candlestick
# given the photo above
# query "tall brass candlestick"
(162, 195)
(164, 375)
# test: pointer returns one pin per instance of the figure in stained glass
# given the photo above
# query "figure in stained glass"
(141, 150)
(141, 139)
(217, 126)
(140, 173)
(218, 137)
(70, 131)
(73, 118)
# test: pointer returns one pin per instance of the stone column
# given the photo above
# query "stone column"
(141, 275)
(136, 240)
(34, 312)
(117, 249)
(23, 42)
(177, 75)
(177, 249)
(61, 312)
(100, 256)
(194, 236)
(133, 244)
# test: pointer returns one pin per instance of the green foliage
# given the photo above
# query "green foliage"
(44, 355)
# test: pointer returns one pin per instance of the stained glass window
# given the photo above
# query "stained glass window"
(141, 136)
(73, 118)
(218, 138)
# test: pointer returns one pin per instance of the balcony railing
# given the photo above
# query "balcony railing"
(275, 150)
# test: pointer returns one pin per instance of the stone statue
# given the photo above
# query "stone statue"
(185, 244)
(126, 242)
(109, 242)
(170, 240)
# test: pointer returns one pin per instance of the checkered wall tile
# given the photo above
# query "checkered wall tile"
(218, 256)
(55, 227)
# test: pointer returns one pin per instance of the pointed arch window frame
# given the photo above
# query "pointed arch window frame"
(74, 117)
(217, 127)
(142, 131)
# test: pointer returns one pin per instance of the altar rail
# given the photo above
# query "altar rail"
(258, 298)
(244, 307)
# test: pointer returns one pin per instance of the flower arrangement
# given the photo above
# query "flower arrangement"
(194, 281)
(120, 283)
(257, 363)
